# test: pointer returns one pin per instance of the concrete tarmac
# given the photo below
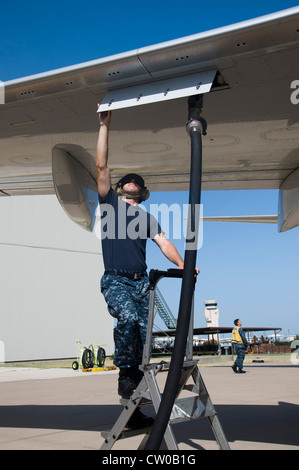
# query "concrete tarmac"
(60, 409)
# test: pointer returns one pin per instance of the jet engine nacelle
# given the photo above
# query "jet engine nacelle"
(74, 177)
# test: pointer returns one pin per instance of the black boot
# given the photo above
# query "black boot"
(136, 375)
(126, 385)
(139, 420)
(235, 368)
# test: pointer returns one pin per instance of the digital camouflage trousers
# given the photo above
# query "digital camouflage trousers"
(128, 302)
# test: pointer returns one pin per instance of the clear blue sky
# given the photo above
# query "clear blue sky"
(250, 269)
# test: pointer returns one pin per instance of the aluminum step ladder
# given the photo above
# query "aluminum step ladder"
(196, 402)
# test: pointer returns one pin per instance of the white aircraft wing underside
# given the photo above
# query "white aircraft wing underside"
(250, 219)
(253, 127)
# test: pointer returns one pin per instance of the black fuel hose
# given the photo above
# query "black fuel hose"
(170, 390)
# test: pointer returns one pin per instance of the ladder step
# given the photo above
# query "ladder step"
(143, 402)
(186, 409)
(166, 365)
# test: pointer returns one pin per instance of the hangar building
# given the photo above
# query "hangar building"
(49, 283)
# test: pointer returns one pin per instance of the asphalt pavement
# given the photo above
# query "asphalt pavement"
(61, 409)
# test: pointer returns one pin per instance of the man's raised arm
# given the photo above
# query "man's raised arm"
(104, 179)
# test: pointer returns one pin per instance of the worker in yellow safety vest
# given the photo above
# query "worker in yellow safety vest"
(239, 343)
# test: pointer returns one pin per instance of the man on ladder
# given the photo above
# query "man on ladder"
(125, 284)
(169, 407)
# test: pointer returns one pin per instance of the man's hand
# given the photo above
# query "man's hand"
(169, 250)
(196, 269)
(105, 118)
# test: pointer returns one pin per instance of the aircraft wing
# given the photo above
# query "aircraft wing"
(49, 126)
(209, 330)
(250, 219)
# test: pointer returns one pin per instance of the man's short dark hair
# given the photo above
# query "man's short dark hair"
(236, 321)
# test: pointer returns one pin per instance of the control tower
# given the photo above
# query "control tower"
(212, 315)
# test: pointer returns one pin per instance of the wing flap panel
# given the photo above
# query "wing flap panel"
(162, 90)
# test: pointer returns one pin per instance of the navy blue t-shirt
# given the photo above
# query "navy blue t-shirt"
(125, 229)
